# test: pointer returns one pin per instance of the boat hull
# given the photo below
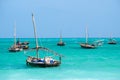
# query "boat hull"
(15, 50)
(87, 46)
(38, 64)
(112, 43)
(60, 44)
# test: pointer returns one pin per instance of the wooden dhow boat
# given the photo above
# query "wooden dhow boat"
(46, 61)
(112, 41)
(86, 44)
(61, 43)
(15, 47)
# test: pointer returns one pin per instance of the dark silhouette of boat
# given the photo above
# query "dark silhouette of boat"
(46, 61)
(87, 45)
(112, 41)
(61, 43)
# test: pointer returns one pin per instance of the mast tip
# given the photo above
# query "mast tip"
(32, 13)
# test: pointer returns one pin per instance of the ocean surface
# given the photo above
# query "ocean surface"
(102, 63)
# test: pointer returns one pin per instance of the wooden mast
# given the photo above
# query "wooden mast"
(15, 34)
(86, 35)
(35, 35)
(60, 37)
(111, 36)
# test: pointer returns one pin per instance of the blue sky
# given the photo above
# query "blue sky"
(54, 16)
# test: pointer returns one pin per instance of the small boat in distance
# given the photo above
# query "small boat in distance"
(15, 47)
(112, 41)
(87, 45)
(46, 61)
(61, 43)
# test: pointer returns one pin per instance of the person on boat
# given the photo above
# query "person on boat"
(51, 61)
(47, 60)
(29, 58)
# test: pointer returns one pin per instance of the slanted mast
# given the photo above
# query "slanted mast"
(35, 35)
(47, 61)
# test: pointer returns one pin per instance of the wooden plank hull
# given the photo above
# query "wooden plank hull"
(87, 46)
(112, 43)
(15, 50)
(60, 44)
(38, 64)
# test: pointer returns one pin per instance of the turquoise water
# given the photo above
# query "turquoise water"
(102, 63)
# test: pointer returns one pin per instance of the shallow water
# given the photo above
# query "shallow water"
(102, 63)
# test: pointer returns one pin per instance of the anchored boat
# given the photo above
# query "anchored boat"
(87, 45)
(46, 61)
(15, 47)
